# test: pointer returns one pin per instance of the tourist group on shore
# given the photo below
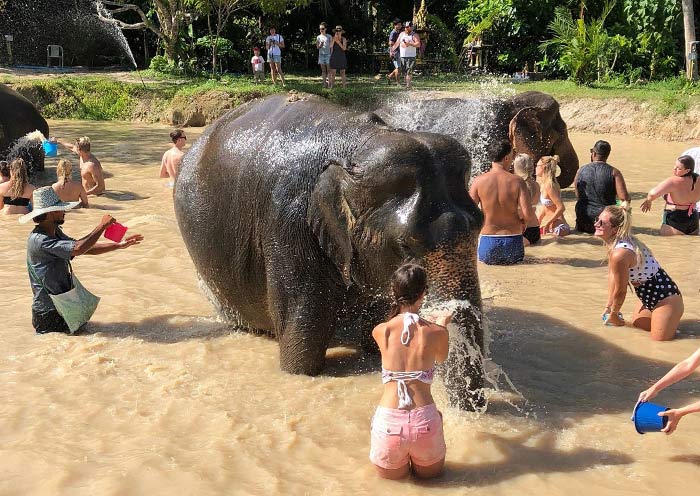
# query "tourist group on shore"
(332, 45)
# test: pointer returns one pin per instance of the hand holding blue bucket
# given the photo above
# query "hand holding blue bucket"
(647, 419)
(50, 148)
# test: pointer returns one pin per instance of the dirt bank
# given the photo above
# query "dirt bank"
(621, 116)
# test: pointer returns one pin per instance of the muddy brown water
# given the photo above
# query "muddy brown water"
(160, 398)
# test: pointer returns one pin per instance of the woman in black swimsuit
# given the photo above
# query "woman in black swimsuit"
(339, 44)
(16, 193)
(681, 195)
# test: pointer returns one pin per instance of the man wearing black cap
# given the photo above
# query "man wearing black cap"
(598, 184)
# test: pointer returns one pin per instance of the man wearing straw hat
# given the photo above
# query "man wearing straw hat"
(49, 251)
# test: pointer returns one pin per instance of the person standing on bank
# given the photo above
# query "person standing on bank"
(49, 252)
(597, 185)
(274, 45)
(339, 62)
(407, 42)
(323, 43)
(395, 61)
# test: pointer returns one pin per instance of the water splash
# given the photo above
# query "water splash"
(497, 382)
(116, 31)
(30, 140)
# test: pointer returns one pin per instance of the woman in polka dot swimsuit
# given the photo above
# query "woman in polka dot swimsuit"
(630, 262)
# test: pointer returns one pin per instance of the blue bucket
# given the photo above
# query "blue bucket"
(646, 417)
(50, 149)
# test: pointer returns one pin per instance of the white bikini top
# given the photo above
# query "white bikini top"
(546, 201)
(425, 376)
(644, 271)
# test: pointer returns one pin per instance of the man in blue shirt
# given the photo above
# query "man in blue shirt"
(49, 251)
(393, 56)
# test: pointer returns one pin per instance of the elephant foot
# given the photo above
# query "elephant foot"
(302, 352)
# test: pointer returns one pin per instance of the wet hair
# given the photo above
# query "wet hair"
(621, 219)
(64, 169)
(549, 172)
(40, 218)
(524, 166)
(18, 177)
(499, 150)
(176, 135)
(602, 149)
(4, 169)
(83, 144)
(408, 283)
(688, 164)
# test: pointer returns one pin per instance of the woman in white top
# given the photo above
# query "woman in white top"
(630, 262)
(274, 45)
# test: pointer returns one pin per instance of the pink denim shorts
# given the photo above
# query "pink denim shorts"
(402, 435)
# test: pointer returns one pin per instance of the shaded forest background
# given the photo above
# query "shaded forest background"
(631, 40)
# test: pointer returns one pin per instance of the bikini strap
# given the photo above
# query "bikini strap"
(408, 320)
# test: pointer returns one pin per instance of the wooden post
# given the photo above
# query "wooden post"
(689, 27)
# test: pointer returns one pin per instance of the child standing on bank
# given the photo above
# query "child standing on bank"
(258, 63)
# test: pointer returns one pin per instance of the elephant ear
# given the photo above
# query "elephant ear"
(527, 133)
(330, 217)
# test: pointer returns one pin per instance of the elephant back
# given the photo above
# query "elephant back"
(18, 116)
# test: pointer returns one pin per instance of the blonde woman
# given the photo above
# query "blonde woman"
(524, 167)
(16, 193)
(67, 189)
(551, 216)
(630, 262)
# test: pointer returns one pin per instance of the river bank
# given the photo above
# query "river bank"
(664, 110)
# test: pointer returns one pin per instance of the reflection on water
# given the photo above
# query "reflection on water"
(158, 397)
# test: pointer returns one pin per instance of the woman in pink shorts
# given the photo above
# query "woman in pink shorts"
(407, 426)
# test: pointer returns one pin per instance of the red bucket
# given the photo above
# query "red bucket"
(115, 232)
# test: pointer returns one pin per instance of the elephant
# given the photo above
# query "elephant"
(18, 116)
(530, 120)
(296, 213)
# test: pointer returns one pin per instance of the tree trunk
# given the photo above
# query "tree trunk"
(689, 26)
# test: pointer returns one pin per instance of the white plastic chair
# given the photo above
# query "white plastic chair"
(54, 52)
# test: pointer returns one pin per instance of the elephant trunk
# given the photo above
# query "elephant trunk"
(454, 285)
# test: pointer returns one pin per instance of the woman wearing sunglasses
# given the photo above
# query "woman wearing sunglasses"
(630, 262)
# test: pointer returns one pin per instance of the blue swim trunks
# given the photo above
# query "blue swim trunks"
(501, 249)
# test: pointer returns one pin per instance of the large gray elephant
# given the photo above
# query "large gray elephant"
(296, 213)
(531, 120)
(18, 116)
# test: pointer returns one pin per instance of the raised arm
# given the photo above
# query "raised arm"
(84, 244)
(71, 146)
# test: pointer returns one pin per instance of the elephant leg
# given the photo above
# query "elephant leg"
(304, 338)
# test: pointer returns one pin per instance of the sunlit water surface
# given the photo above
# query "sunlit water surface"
(161, 398)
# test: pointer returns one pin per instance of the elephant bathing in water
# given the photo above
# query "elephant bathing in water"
(18, 116)
(296, 213)
(530, 120)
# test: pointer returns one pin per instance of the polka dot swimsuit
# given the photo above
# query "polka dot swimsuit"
(651, 283)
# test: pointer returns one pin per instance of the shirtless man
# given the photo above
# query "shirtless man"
(170, 164)
(499, 194)
(90, 168)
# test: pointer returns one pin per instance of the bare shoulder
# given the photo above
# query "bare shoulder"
(621, 257)
(379, 330)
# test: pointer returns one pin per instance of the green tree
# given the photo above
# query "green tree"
(584, 49)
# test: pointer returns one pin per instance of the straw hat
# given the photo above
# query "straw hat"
(46, 200)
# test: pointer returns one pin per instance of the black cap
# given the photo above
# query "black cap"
(601, 148)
